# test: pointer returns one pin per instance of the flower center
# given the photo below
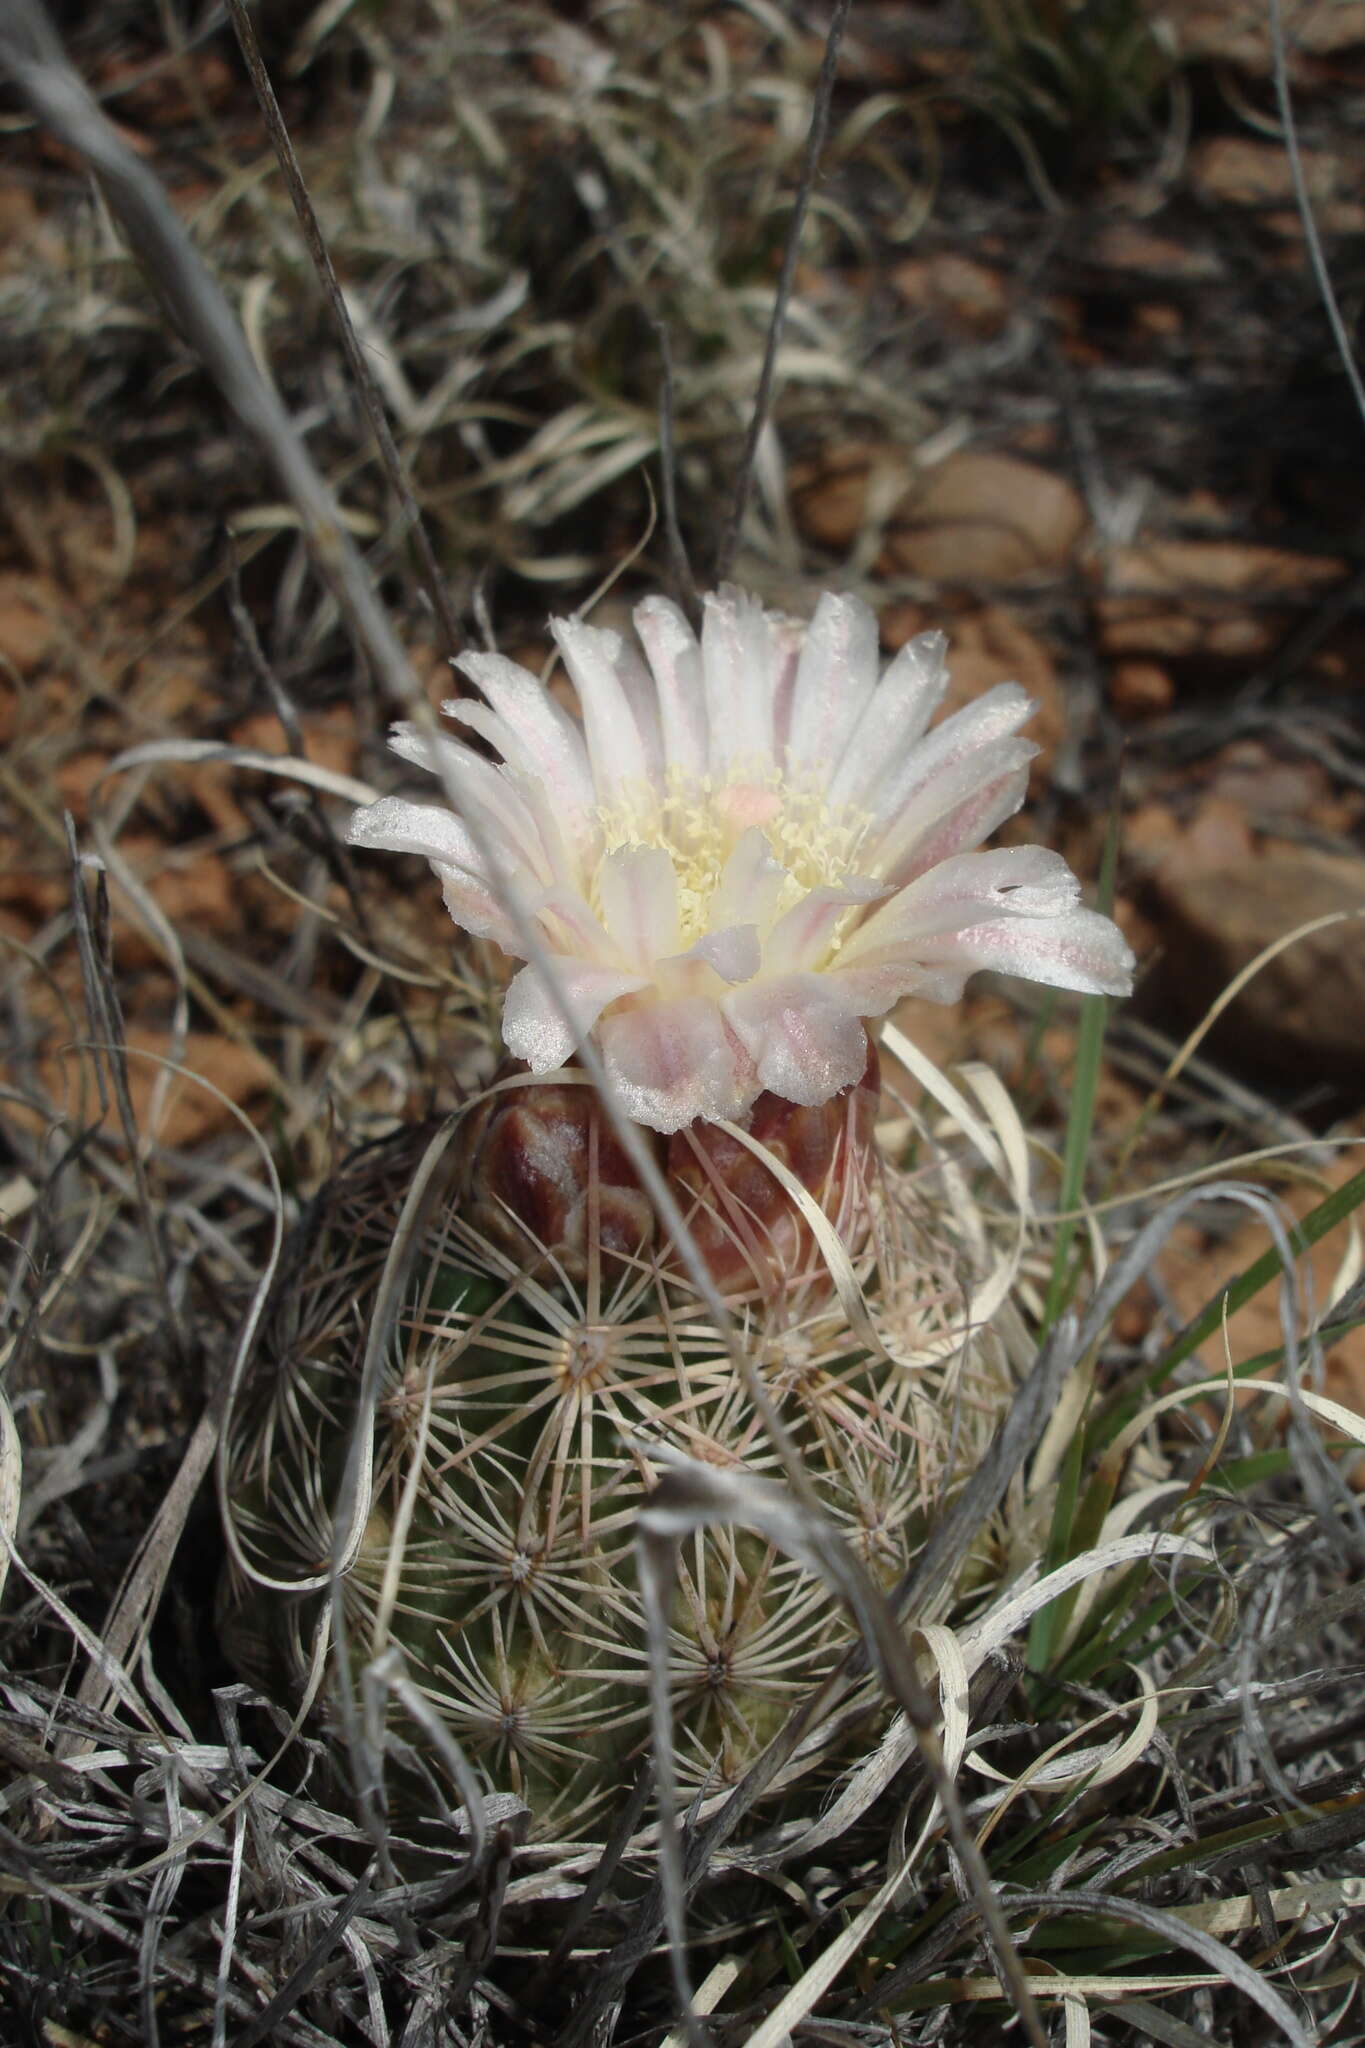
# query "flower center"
(698, 823)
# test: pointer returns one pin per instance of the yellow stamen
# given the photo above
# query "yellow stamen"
(698, 823)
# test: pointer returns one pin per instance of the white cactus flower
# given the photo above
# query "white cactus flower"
(750, 844)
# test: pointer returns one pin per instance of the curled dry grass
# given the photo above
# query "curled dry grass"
(1121, 1735)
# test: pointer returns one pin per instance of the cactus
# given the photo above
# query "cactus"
(546, 1334)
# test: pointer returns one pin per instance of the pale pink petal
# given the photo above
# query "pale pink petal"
(642, 695)
(616, 746)
(568, 925)
(804, 1038)
(474, 908)
(536, 734)
(567, 862)
(673, 1061)
(735, 952)
(1081, 950)
(835, 679)
(873, 984)
(533, 1027)
(394, 826)
(992, 718)
(801, 938)
(675, 658)
(750, 883)
(965, 824)
(638, 892)
(970, 889)
(737, 674)
(984, 787)
(893, 719)
(787, 638)
(488, 799)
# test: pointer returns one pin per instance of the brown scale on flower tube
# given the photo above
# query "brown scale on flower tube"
(543, 1173)
(543, 1176)
(746, 1225)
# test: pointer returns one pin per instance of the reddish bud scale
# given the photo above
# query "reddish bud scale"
(542, 1167)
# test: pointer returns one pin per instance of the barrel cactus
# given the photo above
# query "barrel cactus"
(746, 849)
(545, 1338)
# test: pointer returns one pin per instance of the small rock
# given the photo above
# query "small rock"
(985, 518)
(1140, 689)
(897, 623)
(1158, 320)
(1238, 31)
(190, 886)
(958, 292)
(1183, 599)
(25, 632)
(192, 1113)
(1218, 839)
(973, 518)
(1299, 1017)
(1151, 833)
(188, 1113)
(77, 777)
(1270, 790)
(1124, 245)
(1239, 170)
(830, 494)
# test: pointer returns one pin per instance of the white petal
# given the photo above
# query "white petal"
(675, 658)
(738, 676)
(616, 746)
(734, 952)
(533, 1027)
(787, 638)
(750, 883)
(474, 908)
(1081, 950)
(642, 695)
(488, 798)
(992, 718)
(802, 1035)
(395, 826)
(801, 938)
(871, 985)
(638, 891)
(964, 825)
(894, 718)
(835, 678)
(971, 889)
(566, 921)
(537, 735)
(987, 784)
(673, 1061)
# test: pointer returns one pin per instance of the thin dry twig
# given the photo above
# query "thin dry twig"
(413, 523)
(810, 166)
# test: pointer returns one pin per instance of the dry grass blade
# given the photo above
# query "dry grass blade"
(1215, 1955)
(11, 1481)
